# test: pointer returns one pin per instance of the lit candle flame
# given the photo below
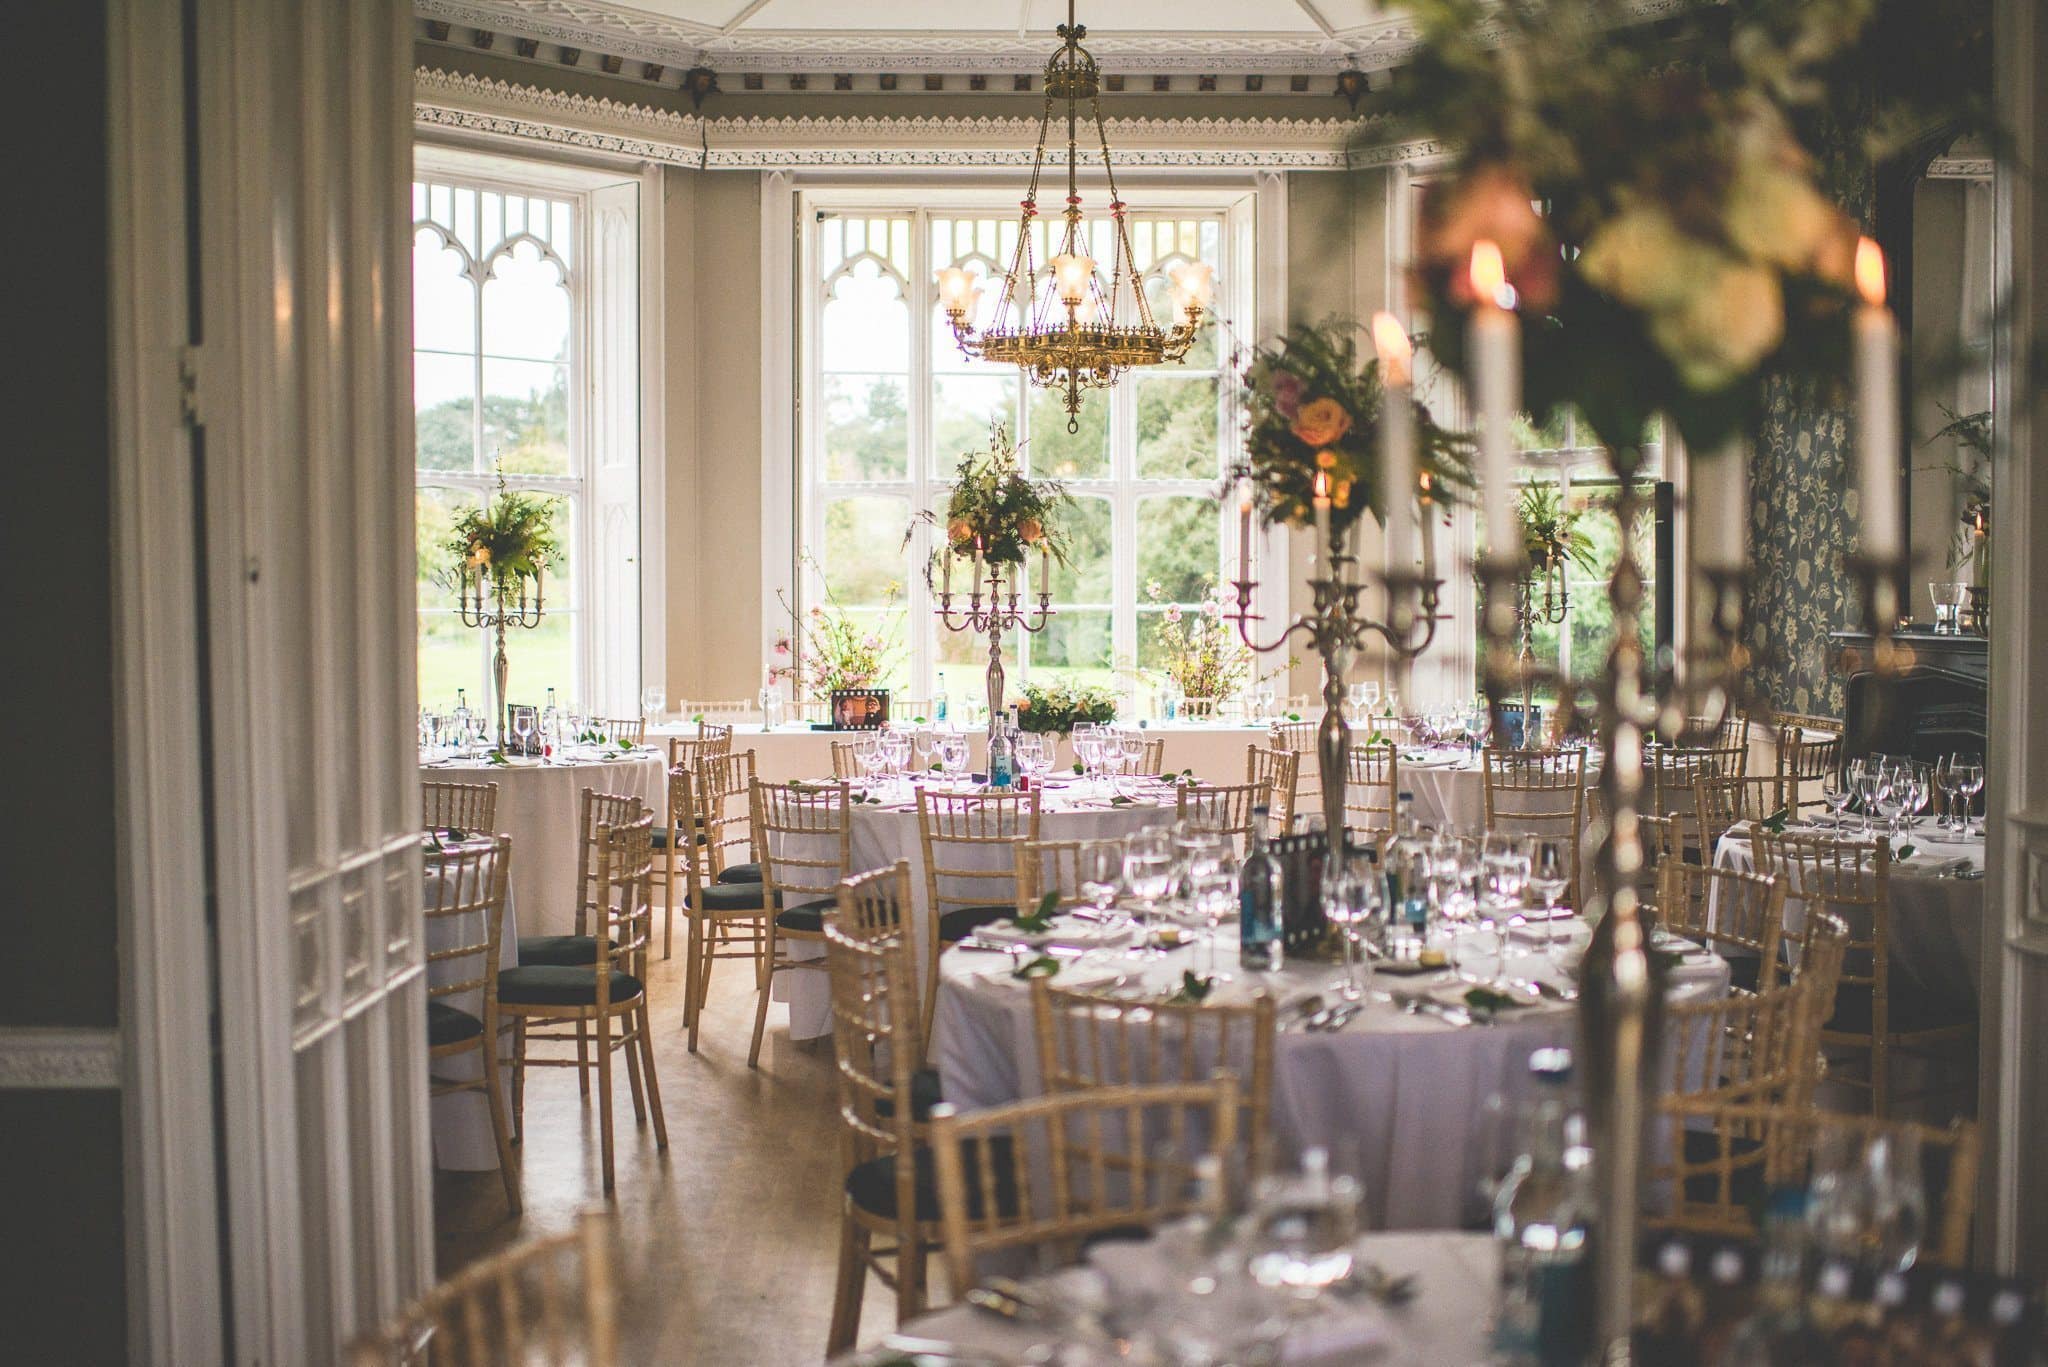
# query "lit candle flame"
(1322, 486)
(1489, 272)
(1390, 339)
(1870, 272)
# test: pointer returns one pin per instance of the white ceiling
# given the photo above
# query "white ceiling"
(956, 35)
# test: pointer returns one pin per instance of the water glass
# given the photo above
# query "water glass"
(1099, 869)
(1302, 1229)
(1148, 877)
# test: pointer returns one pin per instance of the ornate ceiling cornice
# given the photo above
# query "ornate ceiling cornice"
(676, 42)
(500, 108)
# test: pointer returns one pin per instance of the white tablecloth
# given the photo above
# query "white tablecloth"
(883, 835)
(461, 1121)
(1936, 919)
(540, 805)
(1400, 1101)
(1215, 751)
(1449, 1323)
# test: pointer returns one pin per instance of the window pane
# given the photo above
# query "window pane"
(864, 553)
(1053, 451)
(866, 324)
(962, 408)
(1177, 428)
(443, 299)
(867, 427)
(1076, 645)
(1179, 547)
(444, 415)
(451, 657)
(526, 307)
(1086, 578)
(526, 416)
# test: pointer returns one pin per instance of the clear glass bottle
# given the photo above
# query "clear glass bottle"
(1260, 905)
(1542, 1226)
(1002, 768)
(939, 699)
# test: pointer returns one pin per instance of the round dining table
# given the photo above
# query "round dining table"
(886, 831)
(1407, 1097)
(540, 805)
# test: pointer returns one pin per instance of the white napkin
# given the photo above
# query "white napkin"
(1065, 930)
(1932, 861)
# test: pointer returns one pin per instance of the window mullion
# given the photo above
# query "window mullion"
(922, 629)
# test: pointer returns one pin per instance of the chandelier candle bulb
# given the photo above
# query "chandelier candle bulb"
(1877, 408)
(1070, 277)
(1397, 437)
(1493, 348)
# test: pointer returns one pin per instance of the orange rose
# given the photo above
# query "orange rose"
(958, 531)
(1493, 202)
(1030, 531)
(1322, 422)
(1326, 459)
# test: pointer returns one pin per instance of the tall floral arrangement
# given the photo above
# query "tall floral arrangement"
(1312, 408)
(1551, 534)
(1661, 225)
(840, 650)
(995, 509)
(1198, 651)
(510, 538)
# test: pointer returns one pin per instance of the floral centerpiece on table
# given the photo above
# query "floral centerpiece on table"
(508, 539)
(1199, 652)
(996, 511)
(1311, 408)
(1058, 707)
(1683, 252)
(840, 650)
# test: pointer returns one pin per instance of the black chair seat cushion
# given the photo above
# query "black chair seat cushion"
(658, 837)
(1906, 1011)
(741, 873)
(560, 985)
(872, 1185)
(568, 951)
(924, 1094)
(447, 1025)
(1744, 970)
(1746, 1182)
(807, 918)
(961, 922)
(732, 897)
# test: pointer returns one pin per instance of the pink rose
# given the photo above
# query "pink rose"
(1173, 614)
(1286, 393)
(1211, 608)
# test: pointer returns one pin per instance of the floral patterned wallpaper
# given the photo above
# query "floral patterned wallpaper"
(1802, 494)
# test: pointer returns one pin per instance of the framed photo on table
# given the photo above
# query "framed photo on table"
(533, 744)
(860, 709)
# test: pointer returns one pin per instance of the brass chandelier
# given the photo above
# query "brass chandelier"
(1059, 323)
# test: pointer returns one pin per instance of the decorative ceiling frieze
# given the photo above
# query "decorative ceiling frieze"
(453, 101)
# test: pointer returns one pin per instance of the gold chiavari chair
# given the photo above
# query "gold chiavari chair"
(1280, 770)
(687, 750)
(1724, 733)
(469, 900)
(1152, 760)
(803, 834)
(1807, 755)
(458, 806)
(888, 1192)
(1673, 770)
(620, 730)
(1539, 792)
(1090, 1039)
(845, 764)
(1749, 1049)
(549, 1302)
(724, 901)
(970, 843)
(1230, 808)
(1298, 736)
(727, 710)
(684, 752)
(1116, 1158)
(1739, 915)
(1372, 788)
(608, 997)
(1722, 801)
(1779, 1145)
(579, 947)
(1049, 866)
(1663, 842)
(1852, 880)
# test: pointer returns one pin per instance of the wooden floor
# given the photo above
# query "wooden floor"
(729, 1239)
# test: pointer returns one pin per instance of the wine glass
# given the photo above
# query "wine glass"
(925, 741)
(1970, 782)
(952, 754)
(1099, 868)
(1353, 895)
(522, 726)
(653, 702)
(1836, 791)
(1131, 745)
(896, 751)
(1872, 787)
(1549, 877)
(1148, 877)
(1212, 889)
(1945, 785)
(1302, 1229)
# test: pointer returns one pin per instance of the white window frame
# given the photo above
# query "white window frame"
(611, 515)
(1241, 264)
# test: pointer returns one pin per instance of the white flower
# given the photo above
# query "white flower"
(1774, 214)
(1641, 257)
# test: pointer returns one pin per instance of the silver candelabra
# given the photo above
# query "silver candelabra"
(1001, 613)
(486, 602)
